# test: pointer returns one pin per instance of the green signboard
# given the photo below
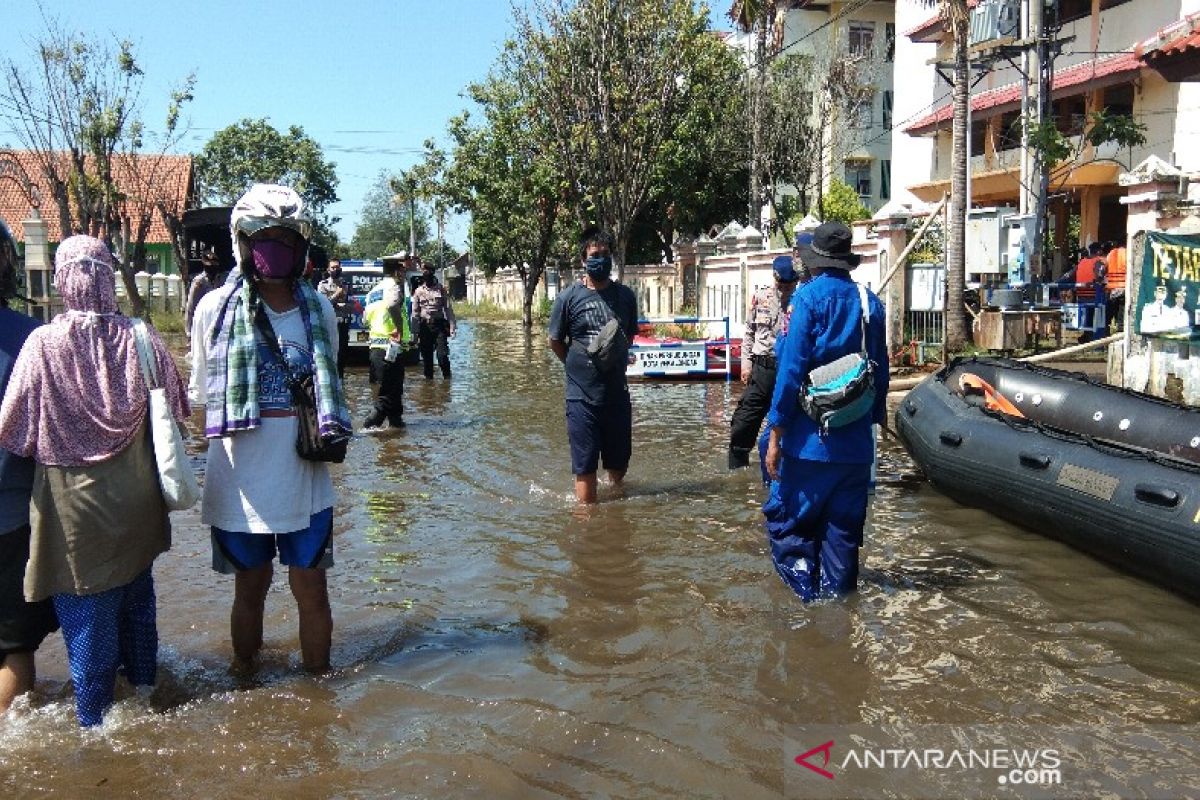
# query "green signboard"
(1168, 299)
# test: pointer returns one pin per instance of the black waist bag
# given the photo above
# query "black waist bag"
(310, 444)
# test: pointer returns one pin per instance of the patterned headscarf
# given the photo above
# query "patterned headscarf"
(77, 396)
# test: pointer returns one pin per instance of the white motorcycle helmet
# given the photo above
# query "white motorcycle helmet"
(263, 206)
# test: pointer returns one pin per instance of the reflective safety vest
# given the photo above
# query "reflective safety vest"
(377, 316)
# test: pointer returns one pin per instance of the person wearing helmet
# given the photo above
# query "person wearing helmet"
(260, 498)
(386, 317)
(23, 626)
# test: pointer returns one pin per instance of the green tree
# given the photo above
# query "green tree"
(610, 80)
(252, 151)
(79, 112)
(842, 204)
(383, 227)
(700, 174)
(504, 171)
(765, 19)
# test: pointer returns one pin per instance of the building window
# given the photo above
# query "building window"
(862, 38)
(1069, 10)
(1010, 131)
(885, 180)
(889, 35)
(863, 113)
(887, 109)
(858, 177)
(978, 136)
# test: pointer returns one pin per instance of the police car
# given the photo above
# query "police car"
(360, 276)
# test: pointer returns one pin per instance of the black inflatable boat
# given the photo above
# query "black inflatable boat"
(1113, 472)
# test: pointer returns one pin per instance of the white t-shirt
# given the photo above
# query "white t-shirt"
(254, 481)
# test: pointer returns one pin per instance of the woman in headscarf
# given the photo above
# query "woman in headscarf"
(77, 404)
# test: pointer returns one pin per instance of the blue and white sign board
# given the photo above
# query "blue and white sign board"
(667, 359)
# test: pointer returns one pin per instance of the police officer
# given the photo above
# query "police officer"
(433, 319)
(763, 325)
(385, 318)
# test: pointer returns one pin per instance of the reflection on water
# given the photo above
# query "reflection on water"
(492, 639)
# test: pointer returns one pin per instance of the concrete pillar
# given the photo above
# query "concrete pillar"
(39, 285)
(893, 238)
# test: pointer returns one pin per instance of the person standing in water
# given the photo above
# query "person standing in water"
(251, 340)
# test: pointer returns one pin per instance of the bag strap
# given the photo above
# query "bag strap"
(141, 340)
(866, 313)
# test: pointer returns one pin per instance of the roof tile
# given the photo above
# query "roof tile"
(169, 179)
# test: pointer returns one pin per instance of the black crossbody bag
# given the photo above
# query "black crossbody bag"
(609, 348)
(310, 444)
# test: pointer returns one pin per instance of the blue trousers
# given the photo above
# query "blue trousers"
(814, 515)
(106, 631)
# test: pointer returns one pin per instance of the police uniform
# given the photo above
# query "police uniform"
(383, 307)
(763, 326)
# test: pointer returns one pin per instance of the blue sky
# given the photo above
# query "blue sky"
(370, 80)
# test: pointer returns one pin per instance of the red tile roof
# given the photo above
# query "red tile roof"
(1178, 37)
(168, 180)
(918, 33)
(1084, 74)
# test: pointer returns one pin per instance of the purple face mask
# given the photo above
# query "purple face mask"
(273, 258)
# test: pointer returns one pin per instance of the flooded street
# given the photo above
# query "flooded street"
(493, 640)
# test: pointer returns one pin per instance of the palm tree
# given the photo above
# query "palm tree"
(957, 21)
(760, 17)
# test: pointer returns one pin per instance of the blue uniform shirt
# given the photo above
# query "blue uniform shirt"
(826, 324)
(16, 473)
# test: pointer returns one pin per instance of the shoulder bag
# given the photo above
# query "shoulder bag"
(609, 348)
(311, 445)
(180, 489)
(842, 391)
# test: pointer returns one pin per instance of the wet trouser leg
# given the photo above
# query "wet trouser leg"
(343, 327)
(389, 375)
(814, 516)
(748, 416)
(426, 340)
(103, 631)
(443, 346)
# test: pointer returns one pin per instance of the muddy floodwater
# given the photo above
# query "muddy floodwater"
(491, 640)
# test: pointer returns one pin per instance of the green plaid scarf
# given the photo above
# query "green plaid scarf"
(232, 385)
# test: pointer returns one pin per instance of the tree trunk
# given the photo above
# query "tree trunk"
(956, 330)
(529, 283)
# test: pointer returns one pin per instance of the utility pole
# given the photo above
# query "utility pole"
(1031, 27)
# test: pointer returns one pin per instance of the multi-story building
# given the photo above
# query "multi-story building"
(860, 151)
(1100, 67)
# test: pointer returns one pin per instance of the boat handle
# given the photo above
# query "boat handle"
(1157, 495)
(1035, 460)
(951, 438)
(910, 407)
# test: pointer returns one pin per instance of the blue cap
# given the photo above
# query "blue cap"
(783, 269)
(804, 239)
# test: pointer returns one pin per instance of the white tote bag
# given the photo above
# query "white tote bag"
(179, 486)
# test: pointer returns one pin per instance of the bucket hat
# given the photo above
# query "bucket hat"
(830, 248)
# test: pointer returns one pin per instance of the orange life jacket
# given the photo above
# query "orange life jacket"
(1116, 269)
(1085, 277)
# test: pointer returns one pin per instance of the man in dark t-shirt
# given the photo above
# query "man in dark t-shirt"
(599, 414)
